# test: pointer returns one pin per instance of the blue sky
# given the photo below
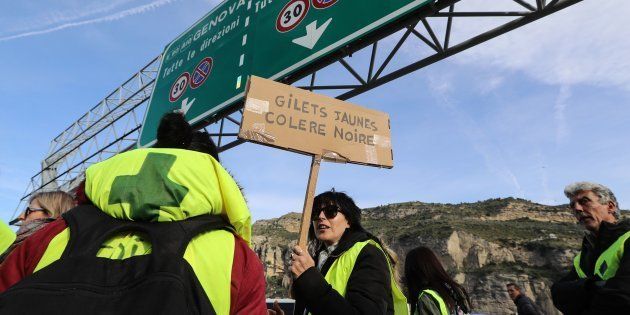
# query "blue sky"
(521, 115)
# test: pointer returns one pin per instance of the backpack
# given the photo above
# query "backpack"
(161, 282)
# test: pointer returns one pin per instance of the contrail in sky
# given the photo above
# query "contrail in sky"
(559, 108)
(109, 18)
(490, 152)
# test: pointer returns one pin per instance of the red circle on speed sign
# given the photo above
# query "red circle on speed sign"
(291, 15)
(179, 87)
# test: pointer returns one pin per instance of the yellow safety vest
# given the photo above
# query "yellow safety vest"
(438, 298)
(608, 262)
(209, 188)
(340, 270)
(7, 237)
(212, 191)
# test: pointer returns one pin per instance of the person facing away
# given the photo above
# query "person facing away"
(524, 305)
(351, 272)
(431, 290)
(151, 210)
(599, 280)
(43, 208)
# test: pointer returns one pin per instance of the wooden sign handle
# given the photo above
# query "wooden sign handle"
(308, 202)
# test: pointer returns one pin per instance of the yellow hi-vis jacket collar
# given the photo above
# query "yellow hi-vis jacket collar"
(341, 269)
(158, 185)
(436, 296)
(7, 237)
(608, 261)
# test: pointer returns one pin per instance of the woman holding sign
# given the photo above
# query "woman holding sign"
(352, 272)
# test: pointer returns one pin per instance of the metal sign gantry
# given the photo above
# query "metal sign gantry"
(205, 69)
(113, 125)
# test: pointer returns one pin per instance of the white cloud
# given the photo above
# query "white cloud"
(559, 108)
(583, 44)
(47, 17)
(108, 18)
(490, 84)
(492, 154)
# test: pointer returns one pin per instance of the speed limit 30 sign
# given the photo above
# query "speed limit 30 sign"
(291, 15)
(179, 87)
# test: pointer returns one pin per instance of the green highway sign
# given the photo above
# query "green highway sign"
(205, 69)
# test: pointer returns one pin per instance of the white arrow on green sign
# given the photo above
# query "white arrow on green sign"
(204, 70)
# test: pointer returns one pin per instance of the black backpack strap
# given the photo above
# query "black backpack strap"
(90, 228)
(87, 224)
(165, 243)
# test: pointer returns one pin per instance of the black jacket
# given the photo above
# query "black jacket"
(368, 290)
(525, 306)
(572, 295)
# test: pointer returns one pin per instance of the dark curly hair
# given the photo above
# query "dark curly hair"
(174, 132)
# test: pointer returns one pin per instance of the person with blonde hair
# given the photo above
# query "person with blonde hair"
(43, 208)
(162, 230)
(47, 205)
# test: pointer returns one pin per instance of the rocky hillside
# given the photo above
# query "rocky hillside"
(484, 245)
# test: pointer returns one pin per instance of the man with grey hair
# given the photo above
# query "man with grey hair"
(599, 281)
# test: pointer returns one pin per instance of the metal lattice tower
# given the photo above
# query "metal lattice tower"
(113, 125)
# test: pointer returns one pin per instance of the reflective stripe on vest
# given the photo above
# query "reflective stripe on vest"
(438, 298)
(608, 262)
(340, 271)
(214, 271)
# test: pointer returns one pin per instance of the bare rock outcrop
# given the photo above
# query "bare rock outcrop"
(483, 245)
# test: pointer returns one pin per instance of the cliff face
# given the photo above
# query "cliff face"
(484, 245)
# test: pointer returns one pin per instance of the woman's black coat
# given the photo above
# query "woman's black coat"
(368, 290)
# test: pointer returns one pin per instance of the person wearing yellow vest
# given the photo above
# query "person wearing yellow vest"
(599, 280)
(162, 185)
(43, 208)
(7, 236)
(431, 290)
(353, 273)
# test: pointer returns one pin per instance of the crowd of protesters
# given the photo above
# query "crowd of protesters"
(166, 230)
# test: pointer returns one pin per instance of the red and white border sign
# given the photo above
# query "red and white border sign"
(291, 15)
(179, 87)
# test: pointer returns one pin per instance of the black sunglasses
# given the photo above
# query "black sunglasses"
(330, 211)
(30, 210)
(27, 212)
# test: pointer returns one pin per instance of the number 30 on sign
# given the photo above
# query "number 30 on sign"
(291, 15)
(179, 87)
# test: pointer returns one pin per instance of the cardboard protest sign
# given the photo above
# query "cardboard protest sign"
(293, 119)
(290, 118)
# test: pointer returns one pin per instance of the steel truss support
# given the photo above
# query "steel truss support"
(110, 127)
(113, 125)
